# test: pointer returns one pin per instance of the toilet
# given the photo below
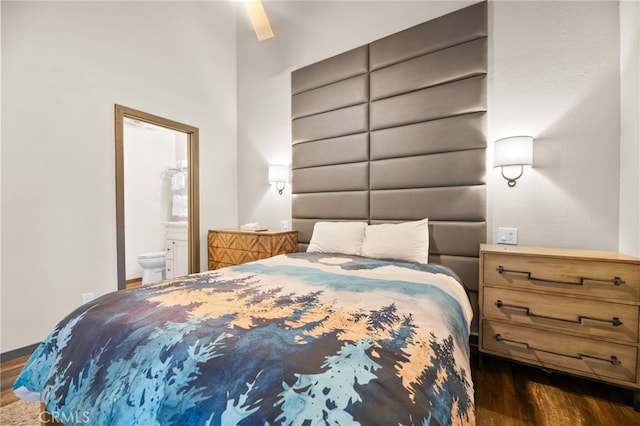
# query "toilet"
(153, 267)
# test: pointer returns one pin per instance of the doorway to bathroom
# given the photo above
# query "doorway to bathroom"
(157, 201)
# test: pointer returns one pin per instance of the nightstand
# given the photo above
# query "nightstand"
(228, 247)
(572, 311)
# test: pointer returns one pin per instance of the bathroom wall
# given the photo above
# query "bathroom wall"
(149, 154)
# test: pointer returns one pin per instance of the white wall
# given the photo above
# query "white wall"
(64, 66)
(630, 127)
(554, 74)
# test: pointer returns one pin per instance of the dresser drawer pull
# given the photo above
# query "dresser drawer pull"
(615, 321)
(615, 281)
(613, 360)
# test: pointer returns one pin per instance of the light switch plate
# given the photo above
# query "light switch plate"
(508, 236)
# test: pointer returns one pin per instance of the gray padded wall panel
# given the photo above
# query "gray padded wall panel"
(449, 30)
(432, 170)
(352, 205)
(305, 230)
(467, 60)
(341, 122)
(345, 149)
(331, 70)
(456, 238)
(465, 267)
(444, 135)
(455, 98)
(340, 177)
(461, 203)
(409, 144)
(342, 94)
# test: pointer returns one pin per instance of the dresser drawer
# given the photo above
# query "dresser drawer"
(236, 257)
(245, 241)
(213, 265)
(595, 279)
(592, 358)
(579, 316)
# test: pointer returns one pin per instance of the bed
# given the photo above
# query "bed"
(305, 338)
(390, 134)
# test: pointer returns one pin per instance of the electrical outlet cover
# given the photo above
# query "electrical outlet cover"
(508, 236)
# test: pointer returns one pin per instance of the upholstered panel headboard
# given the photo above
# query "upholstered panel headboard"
(395, 131)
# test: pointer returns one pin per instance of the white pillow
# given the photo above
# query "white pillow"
(337, 237)
(400, 241)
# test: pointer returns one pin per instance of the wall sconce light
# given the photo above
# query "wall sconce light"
(511, 153)
(279, 174)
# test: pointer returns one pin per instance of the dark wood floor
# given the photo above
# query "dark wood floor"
(506, 394)
(514, 394)
(9, 371)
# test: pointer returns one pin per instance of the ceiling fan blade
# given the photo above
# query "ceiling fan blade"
(259, 19)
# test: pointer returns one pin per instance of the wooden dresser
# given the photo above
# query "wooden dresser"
(573, 311)
(228, 247)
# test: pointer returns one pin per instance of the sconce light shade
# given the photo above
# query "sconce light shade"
(513, 151)
(279, 174)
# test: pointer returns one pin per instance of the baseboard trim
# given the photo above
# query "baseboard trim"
(16, 353)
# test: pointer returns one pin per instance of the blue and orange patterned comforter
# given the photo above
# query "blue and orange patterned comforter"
(300, 339)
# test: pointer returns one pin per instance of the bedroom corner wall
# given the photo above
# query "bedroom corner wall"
(64, 66)
(630, 128)
(554, 70)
